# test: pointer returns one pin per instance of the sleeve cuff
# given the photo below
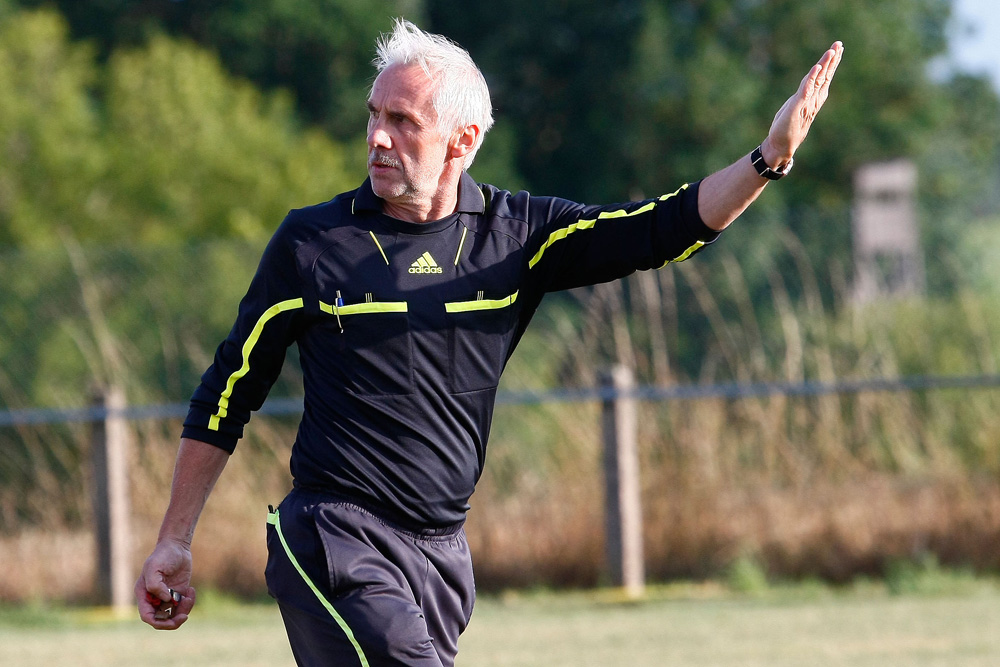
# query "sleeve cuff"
(223, 441)
(692, 218)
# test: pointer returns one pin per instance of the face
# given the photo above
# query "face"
(406, 150)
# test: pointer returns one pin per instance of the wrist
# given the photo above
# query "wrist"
(771, 169)
(775, 157)
(176, 538)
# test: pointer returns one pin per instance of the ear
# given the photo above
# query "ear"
(463, 141)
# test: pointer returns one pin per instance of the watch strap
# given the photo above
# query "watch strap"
(757, 159)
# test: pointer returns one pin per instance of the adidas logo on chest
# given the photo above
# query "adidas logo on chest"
(425, 264)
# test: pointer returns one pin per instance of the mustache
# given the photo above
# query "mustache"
(382, 160)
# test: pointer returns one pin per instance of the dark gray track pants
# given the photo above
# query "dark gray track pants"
(355, 590)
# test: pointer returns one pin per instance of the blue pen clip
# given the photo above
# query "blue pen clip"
(336, 311)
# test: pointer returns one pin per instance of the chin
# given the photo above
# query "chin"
(391, 192)
(383, 189)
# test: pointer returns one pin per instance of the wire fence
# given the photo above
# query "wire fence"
(279, 406)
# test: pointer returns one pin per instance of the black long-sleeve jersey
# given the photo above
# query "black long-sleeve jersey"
(404, 328)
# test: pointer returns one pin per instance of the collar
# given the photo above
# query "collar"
(470, 197)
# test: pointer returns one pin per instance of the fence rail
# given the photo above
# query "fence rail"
(618, 395)
(734, 390)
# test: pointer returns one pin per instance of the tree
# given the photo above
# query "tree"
(50, 153)
(709, 76)
(160, 144)
(197, 154)
(556, 72)
(319, 50)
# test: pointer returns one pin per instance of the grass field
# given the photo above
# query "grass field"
(685, 625)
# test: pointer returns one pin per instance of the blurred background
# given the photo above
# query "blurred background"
(149, 148)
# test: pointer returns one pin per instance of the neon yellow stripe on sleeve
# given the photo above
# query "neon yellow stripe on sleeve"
(560, 234)
(291, 304)
(687, 253)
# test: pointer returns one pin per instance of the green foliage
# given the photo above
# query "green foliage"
(976, 254)
(747, 575)
(606, 101)
(75, 316)
(162, 145)
(215, 157)
(557, 73)
(630, 98)
(639, 95)
(49, 131)
(594, 102)
(923, 575)
(319, 50)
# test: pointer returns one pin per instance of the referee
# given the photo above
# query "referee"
(405, 298)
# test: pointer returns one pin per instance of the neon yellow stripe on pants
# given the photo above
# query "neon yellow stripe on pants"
(275, 521)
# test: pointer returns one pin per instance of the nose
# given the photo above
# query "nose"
(377, 136)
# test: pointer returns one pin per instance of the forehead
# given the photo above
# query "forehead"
(404, 87)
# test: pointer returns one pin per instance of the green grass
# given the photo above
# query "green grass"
(221, 633)
(777, 629)
(696, 625)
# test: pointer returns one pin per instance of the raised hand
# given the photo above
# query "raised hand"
(795, 117)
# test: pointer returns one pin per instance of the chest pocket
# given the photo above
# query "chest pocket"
(480, 334)
(374, 353)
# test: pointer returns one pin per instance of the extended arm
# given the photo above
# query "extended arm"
(724, 195)
(196, 470)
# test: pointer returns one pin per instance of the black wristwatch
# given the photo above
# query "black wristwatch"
(757, 158)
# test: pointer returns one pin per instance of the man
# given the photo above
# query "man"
(406, 297)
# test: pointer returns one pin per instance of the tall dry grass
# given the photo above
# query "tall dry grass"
(832, 486)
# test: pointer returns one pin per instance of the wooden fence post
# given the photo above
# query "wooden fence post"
(623, 510)
(112, 510)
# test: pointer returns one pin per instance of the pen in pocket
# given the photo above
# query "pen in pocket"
(336, 310)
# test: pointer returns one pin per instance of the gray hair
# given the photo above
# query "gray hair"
(461, 97)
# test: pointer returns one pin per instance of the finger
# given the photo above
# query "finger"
(187, 602)
(181, 612)
(808, 83)
(145, 599)
(154, 585)
(838, 54)
(147, 612)
(172, 623)
(816, 85)
(146, 608)
(829, 62)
